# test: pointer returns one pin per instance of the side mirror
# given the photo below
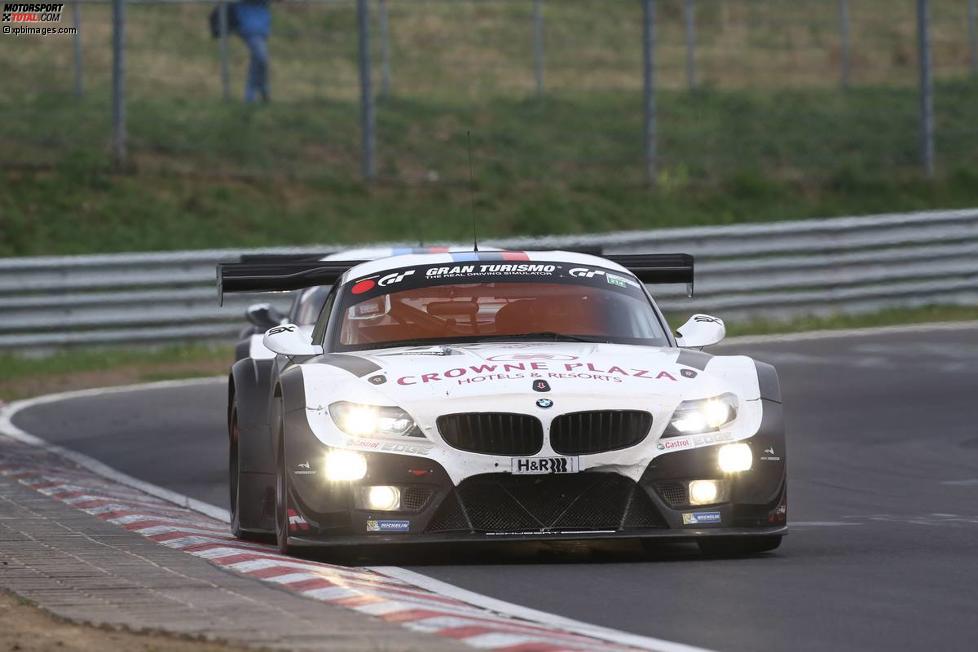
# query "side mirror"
(289, 341)
(700, 331)
(264, 315)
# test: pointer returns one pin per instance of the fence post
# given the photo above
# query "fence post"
(973, 34)
(222, 22)
(366, 92)
(118, 83)
(844, 38)
(385, 51)
(538, 44)
(76, 23)
(689, 13)
(926, 87)
(648, 74)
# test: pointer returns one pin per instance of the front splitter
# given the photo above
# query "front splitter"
(690, 534)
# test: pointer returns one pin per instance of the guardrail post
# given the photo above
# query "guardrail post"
(648, 75)
(118, 83)
(538, 45)
(689, 13)
(76, 23)
(973, 35)
(385, 50)
(222, 22)
(926, 87)
(366, 92)
(844, 41)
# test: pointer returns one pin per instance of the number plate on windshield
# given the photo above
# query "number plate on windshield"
(540, 465)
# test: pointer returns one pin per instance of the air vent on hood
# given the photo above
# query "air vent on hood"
(584, 433)
(492, 433)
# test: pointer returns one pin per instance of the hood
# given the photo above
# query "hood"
(485, 375)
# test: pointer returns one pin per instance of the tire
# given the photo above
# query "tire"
(234, 481)
(738, 546)
(281, 495)
(234, 473)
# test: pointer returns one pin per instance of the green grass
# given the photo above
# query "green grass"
(768, 136)
(100, 359)
(894, 317)
(729, 156)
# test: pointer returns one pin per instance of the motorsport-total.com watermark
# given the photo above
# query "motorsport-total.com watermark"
(33, 19)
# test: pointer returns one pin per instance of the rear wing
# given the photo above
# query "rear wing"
(658, 268)
(285, 274)
(279, 276)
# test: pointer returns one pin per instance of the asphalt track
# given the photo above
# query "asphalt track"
(883, 489)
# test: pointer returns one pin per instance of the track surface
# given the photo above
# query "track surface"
(883, 475)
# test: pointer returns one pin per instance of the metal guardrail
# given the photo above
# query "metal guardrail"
(751, 271)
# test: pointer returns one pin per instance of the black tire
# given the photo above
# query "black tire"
(281, 495)
(738, 546)
(234, 482)
(234, 473)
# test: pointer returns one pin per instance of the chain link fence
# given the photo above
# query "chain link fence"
(586, 92)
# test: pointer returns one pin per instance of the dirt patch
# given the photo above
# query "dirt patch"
(25, 628)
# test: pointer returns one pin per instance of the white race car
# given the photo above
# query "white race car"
(500, 395)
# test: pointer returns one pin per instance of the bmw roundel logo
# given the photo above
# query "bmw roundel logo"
(544, 403)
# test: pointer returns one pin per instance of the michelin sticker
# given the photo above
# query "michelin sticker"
(700, 518)
(388, 526)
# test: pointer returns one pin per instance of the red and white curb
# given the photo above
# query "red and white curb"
(395, 595)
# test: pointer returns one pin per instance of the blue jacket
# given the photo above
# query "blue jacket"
(254, 17)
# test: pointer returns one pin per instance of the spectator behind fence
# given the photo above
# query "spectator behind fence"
(254, 19)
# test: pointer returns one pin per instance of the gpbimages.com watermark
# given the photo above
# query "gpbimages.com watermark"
(33, 18)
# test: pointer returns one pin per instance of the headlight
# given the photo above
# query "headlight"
(371, 420)
(344, 466)
(733, 458)
(703, 415)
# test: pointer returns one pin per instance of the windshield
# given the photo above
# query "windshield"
(447, 304)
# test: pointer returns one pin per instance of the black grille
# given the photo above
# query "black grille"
(413, 499)
(492, 433)
(577, 501)
(674, 493)
(582, 433)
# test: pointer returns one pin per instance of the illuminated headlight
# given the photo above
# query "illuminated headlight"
(344, 466)
(371, 420)
(708, 492)
(733, 458)
(381, 498)
(703, 492)
(702, 415)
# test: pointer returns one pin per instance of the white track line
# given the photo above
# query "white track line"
(435, 586)
(8, 428)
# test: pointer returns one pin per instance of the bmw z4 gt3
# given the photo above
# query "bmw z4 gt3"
(500, 395)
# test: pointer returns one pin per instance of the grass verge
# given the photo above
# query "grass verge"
(26, 376)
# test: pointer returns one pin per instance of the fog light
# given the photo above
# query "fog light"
(345, 466)
(383, 498)
(703, 492)
(735, 457)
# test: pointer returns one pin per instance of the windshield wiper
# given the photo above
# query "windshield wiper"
(545, 335)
